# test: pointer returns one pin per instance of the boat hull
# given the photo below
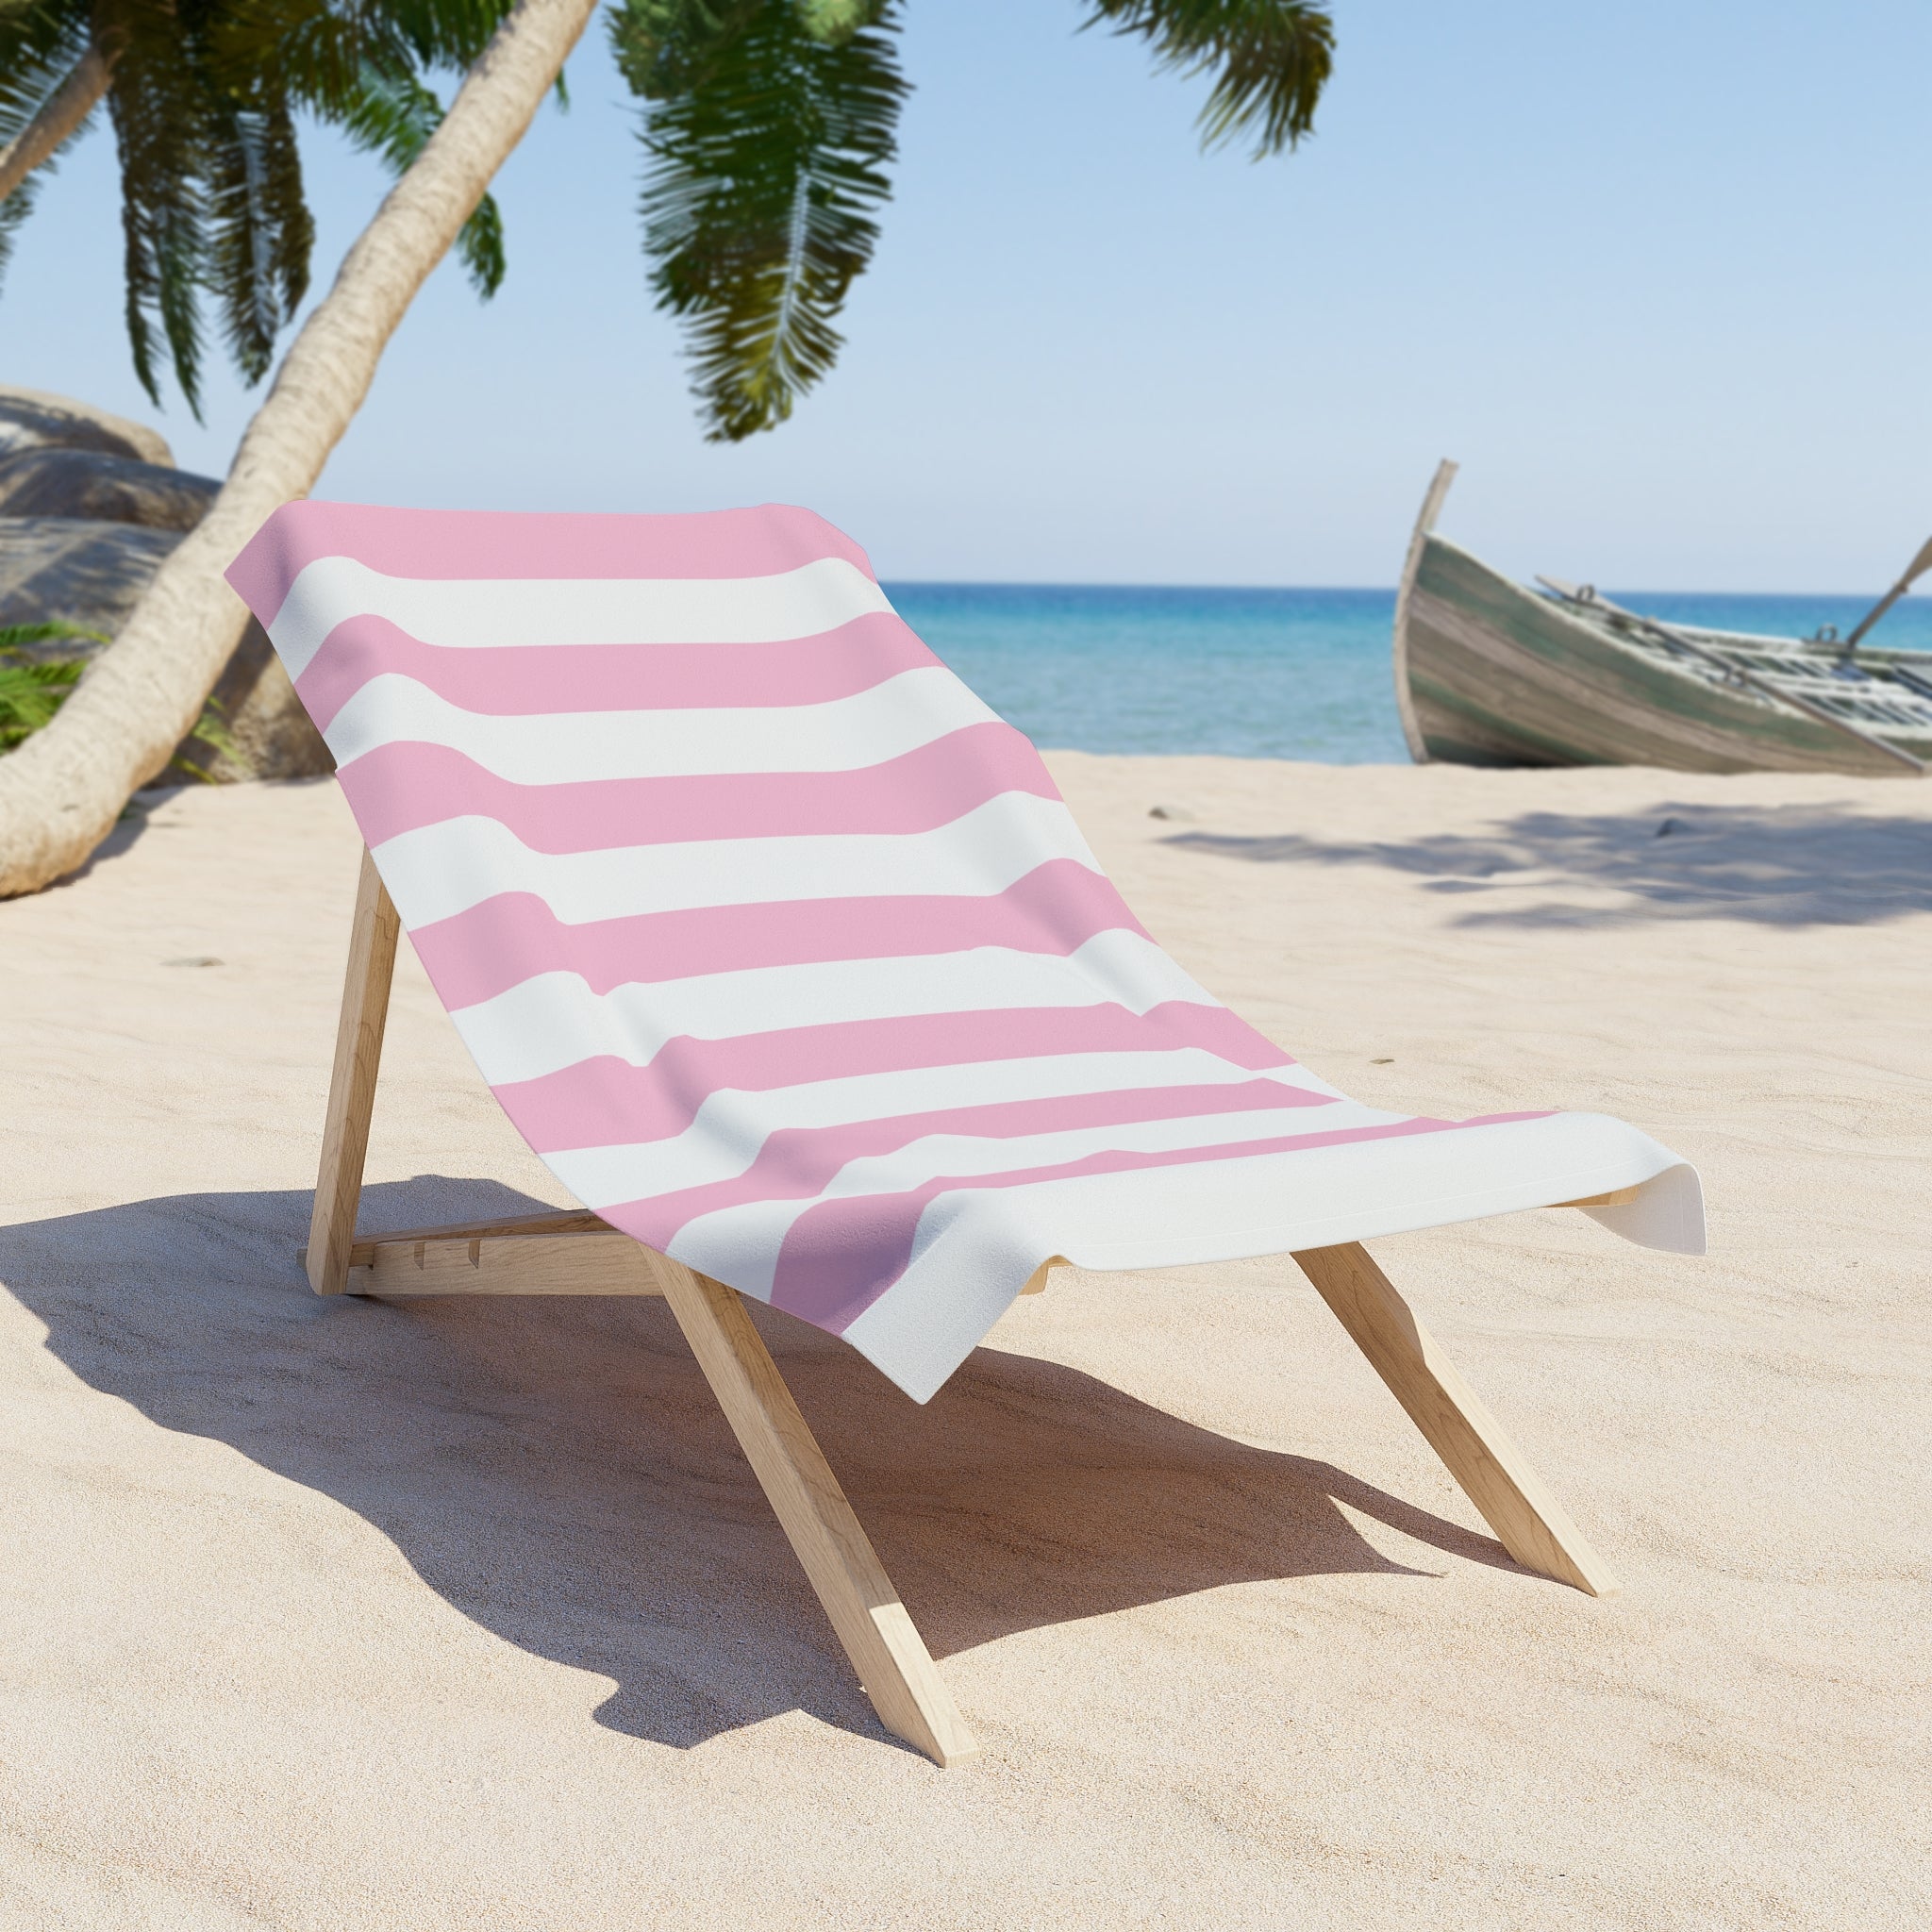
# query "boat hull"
(1495, 675)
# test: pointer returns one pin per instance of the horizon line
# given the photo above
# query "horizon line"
(1331, 589)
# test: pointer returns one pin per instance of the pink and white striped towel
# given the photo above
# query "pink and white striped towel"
(784, 953)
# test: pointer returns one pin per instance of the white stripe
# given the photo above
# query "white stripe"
(973, 1251)
(437, 871)
(751, 1235)
(555, 1020)
(732, 1124)
(554, 748)
(485, 613)
(925, 1160)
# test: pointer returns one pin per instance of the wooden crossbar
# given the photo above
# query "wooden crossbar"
(573, 1251)
(570, 1263)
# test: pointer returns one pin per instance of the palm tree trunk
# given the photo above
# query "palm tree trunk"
(61, 113)
(62, 792)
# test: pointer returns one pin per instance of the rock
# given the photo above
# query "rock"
(90, 484)
(270, 731)
(92, 574)
(89, 504)
(32, 419)
(76, 570)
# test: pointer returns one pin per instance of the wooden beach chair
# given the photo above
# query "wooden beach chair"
(785, 954)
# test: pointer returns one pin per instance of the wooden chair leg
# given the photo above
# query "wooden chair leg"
(352, 1086)
(1527, 1519)
(893, 1664)
(892, 1660)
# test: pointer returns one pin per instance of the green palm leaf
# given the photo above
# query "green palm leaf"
(1270, 58)
(769, 125)
(158, 102)
(390, 113)
(359, 68)
(202, 100)
(30, 694)
(33, 688)
(259, 228)
(39, 47)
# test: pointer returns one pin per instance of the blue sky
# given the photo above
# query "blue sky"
(1655, 274)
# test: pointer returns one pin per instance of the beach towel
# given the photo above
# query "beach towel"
(781, 949)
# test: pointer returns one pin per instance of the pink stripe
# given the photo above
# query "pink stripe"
(503, 942)
(399, 788)
(530, 680)
(795, 1163)
(458, 543)
(839, 1256)
(608, 1102)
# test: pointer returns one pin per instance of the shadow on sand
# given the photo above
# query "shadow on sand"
(557, 1471)
(1770, 865)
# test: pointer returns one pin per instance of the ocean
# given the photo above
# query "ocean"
(1300, 673)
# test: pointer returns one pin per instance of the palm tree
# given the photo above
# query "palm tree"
(202, 99)
(768, 124)
(770, 127)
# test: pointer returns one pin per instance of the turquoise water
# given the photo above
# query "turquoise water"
(1248, 673)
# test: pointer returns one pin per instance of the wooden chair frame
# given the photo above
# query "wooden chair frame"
(569, 1251)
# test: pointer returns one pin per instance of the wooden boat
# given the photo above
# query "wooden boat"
(1490, 673)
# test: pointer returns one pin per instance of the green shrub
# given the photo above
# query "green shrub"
(33, 689)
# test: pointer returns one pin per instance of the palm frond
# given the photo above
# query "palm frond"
(14, 212)
(159, 105)
(33, 689)
(838, 20)
(208, 741)
(30, 694)
(203, 99)
(667, 48)
(359, 66)
(44, 630)
(445, 33)
(260, 232)
(39, 47)
(392, 113)
(310, 50)
(767, 146)
(41, 44)
(1270, 58)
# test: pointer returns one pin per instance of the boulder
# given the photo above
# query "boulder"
(32, 419)
(88, 483)
(89, 504)
(76, 570)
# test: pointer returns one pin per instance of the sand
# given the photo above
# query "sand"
(467, 1615)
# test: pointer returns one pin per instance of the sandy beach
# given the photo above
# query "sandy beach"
(459, 1614)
